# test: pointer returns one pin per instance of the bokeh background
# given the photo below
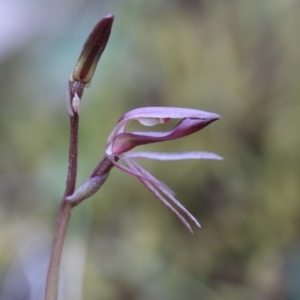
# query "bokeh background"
(240, 59)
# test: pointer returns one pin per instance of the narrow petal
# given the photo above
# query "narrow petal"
(173, 156)
(170, 196)
(167, 112)
(165, 202)
(146, 176)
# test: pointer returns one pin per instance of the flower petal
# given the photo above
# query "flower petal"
(165, 202)
(174, 156)
(146, 175)
(170, 196)
(167, 112)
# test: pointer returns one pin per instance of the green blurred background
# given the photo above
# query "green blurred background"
(240, 59)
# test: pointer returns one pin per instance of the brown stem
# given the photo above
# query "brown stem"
(59, 237)
(63, 215)
(72, 170)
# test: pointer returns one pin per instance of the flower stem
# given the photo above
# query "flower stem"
(59, 237)
(63, 215)
(73, 152)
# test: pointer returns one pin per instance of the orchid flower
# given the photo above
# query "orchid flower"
(120, 142)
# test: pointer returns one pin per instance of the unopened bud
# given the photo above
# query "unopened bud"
(92, 50)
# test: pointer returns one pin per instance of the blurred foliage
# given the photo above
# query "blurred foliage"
(240, 59)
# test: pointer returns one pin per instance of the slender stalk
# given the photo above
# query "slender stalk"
(73, 152)
(63, 215)
(59, 237)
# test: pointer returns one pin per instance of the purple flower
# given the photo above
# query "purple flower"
(120, 143)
